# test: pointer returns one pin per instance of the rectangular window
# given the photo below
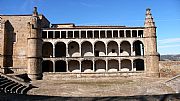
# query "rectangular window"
(57, 34)
(63, 34)
(44, 34)
(50, 34)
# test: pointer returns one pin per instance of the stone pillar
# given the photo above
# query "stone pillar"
(119, 64)
(106, 65)
(132, 50)
(34, 48)
(80, 66)
(54, 49)
(132, 66)
(67, 68)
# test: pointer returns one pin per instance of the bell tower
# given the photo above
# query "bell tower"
(150, 45)
(34, 47)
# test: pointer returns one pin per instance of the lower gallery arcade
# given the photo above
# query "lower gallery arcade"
(88, 66)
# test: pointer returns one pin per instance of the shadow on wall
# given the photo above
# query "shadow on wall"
(15, 97)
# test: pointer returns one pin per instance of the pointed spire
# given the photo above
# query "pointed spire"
(149, 19)
(35, 13)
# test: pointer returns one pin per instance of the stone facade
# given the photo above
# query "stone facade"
(30, 45)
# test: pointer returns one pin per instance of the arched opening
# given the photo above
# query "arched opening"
(47, 50)
(100, 65)
(60, 49)
(60, 66)
(99, 49)
(138, 48)
(87, 66)
(73, 66)
(86, 49)
(125, 48)
(112, 48)
(138, 65)
(73, 49)
(113, 65)
(47, 66)
(126, 65)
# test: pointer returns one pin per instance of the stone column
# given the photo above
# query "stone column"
(119, 64)
(34, 55)
(106, 65)
(132, 66)
(54, 49)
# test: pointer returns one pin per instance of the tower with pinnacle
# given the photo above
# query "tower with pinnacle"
(150, 45)
(34, 47)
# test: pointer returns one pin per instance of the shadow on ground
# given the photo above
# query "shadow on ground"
(15, 97)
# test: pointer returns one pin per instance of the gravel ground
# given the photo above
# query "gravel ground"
(102, 87)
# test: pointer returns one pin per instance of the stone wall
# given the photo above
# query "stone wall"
(169, 68)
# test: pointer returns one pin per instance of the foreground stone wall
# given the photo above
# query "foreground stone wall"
(169, 68)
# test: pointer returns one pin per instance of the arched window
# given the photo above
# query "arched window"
(138, 65)
(112, 48)
(126, 65)
(99, 49)
(47, 50)
(125, 48)
(60, 49)
(138, 48)
(47, 66)
(73, 49)
(87, 66)
(73, 66)
(100, 65)
(60, 66)
(86, 49)
(113, 65)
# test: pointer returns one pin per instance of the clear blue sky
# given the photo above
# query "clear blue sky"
(166, 14)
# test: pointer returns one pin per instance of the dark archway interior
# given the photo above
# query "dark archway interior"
(126, 64)
(139, 64)
(60, 66)
(47, 66)
(47, 50)
(60, 49)
(138, 47)
(87, 64)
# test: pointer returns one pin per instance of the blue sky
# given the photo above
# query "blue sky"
(166, 14)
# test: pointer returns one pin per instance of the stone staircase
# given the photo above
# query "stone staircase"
(13, 85)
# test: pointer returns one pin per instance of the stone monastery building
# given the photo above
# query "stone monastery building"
(28, 44)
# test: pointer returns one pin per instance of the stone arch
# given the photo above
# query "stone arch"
(112, 48)
(100, 65)
(73, 49)
(138, 65)
(74, 66)
(113, 65)
(99, 49)
(47, 50)
(86, 49)
(138, 48)
(125, 48)
(60, 66)
(87, 66)
(47, 66)
(126, 65)
(60, 49)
